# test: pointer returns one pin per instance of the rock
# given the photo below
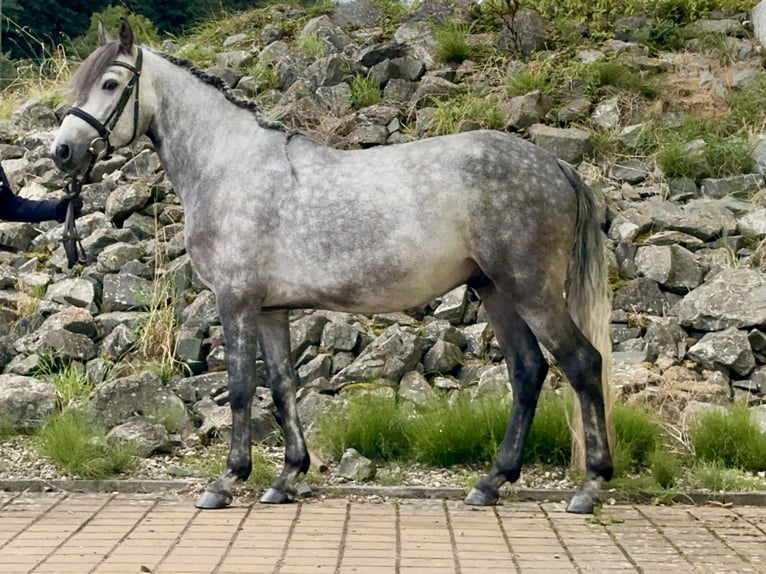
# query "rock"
(114, 257)
(606, 116)
(642, 295)
(306, 331)
(25, 402)
(115, 401)
(357, 14)
(441, 330)
(64, 344)
(442, 358)
(733, 298)
(393, 353)
(530, 33)
(77, 292)
(753, 224)
(126, 199)
(665, 338)
(148, 437)
(523, 111)
(202, 312)
(452, 306)
(716, 188)
(196, 388)
(671, 266)
(18, 236)
(729, 349)
(569, 144)
(414, 387)
(189, 348)
(312, 406)
(477, 337)
(759, 157)
(354, 466)
(493, 382)
(125, 292)
(318, 367)
(575, 110)
(117, 343)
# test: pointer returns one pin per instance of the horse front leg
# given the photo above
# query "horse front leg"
(274, 337)
(240, 333)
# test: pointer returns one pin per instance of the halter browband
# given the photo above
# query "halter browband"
(105, 129)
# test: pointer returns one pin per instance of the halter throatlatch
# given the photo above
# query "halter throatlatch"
(99, 147)
(104, 129)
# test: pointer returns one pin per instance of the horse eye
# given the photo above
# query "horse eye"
(109, 85)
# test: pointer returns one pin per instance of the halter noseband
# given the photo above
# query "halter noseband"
(105, 129)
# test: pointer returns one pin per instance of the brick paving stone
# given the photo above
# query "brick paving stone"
(125, 534)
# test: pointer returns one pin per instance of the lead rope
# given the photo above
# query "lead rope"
(71, 240)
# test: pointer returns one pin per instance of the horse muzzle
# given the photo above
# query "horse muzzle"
(73, 157)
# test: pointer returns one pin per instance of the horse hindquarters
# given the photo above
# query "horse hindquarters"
(528, 306)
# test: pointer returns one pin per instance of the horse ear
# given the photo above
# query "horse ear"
(126, 36)
(103, 36)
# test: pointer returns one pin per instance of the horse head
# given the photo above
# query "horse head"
(109, 110)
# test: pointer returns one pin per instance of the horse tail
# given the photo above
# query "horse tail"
(589, 296)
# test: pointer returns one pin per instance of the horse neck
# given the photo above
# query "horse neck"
(196, 130)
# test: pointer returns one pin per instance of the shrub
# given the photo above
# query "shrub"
(144, 29)
(69, 440)
(732, 439)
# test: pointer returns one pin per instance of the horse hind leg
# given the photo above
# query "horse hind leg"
(549, 320)
(527, 370)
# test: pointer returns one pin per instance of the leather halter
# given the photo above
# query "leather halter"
(105, 129)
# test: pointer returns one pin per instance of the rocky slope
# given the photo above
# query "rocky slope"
(689, 319)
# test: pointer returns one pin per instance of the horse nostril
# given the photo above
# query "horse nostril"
(63, 152)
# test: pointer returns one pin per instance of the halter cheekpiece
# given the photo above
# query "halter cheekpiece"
(104, 129)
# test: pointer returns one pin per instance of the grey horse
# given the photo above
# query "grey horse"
(276, 221)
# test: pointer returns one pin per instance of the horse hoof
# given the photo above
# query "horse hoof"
(581, 503)
(479, 497)
(276, 496)
(210, 500)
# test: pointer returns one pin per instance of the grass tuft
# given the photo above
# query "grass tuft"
(452, 43)
(364, 91)
(69, 440)
(732, 439)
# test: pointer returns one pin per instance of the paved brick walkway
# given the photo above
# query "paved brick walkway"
(126, 534)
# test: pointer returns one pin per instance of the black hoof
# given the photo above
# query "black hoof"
(275, 496)
(478, 497)
(210, 500)
(581, 503)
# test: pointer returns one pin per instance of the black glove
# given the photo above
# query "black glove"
(62, 206)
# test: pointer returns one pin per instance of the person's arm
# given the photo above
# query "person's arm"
(15, 208)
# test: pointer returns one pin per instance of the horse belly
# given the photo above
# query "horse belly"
(372, 292)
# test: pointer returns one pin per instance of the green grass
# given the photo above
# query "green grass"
(451, 42)
(666, 468)
(529, 80)
(717, 476)
(71, 381)
(549, 440)
(637, 436)
(484, 110)
(464, 432)
(732, 439)
(69, 440)
(371, 424)
(313, 45)
(364, 91)
(212, 462)
(605, 74)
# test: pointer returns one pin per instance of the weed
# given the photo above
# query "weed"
(483, 110)
(730, 438)
(451, 42)
(313, 45)
(364, 91)
(637, 435)
(665, 467)
(716, 476)
(69, 440)
(264, 71)
(525, 81)
(156, 335)
(601, 75)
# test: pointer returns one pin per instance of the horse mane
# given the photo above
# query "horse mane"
(100, 59)
(219, 84)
